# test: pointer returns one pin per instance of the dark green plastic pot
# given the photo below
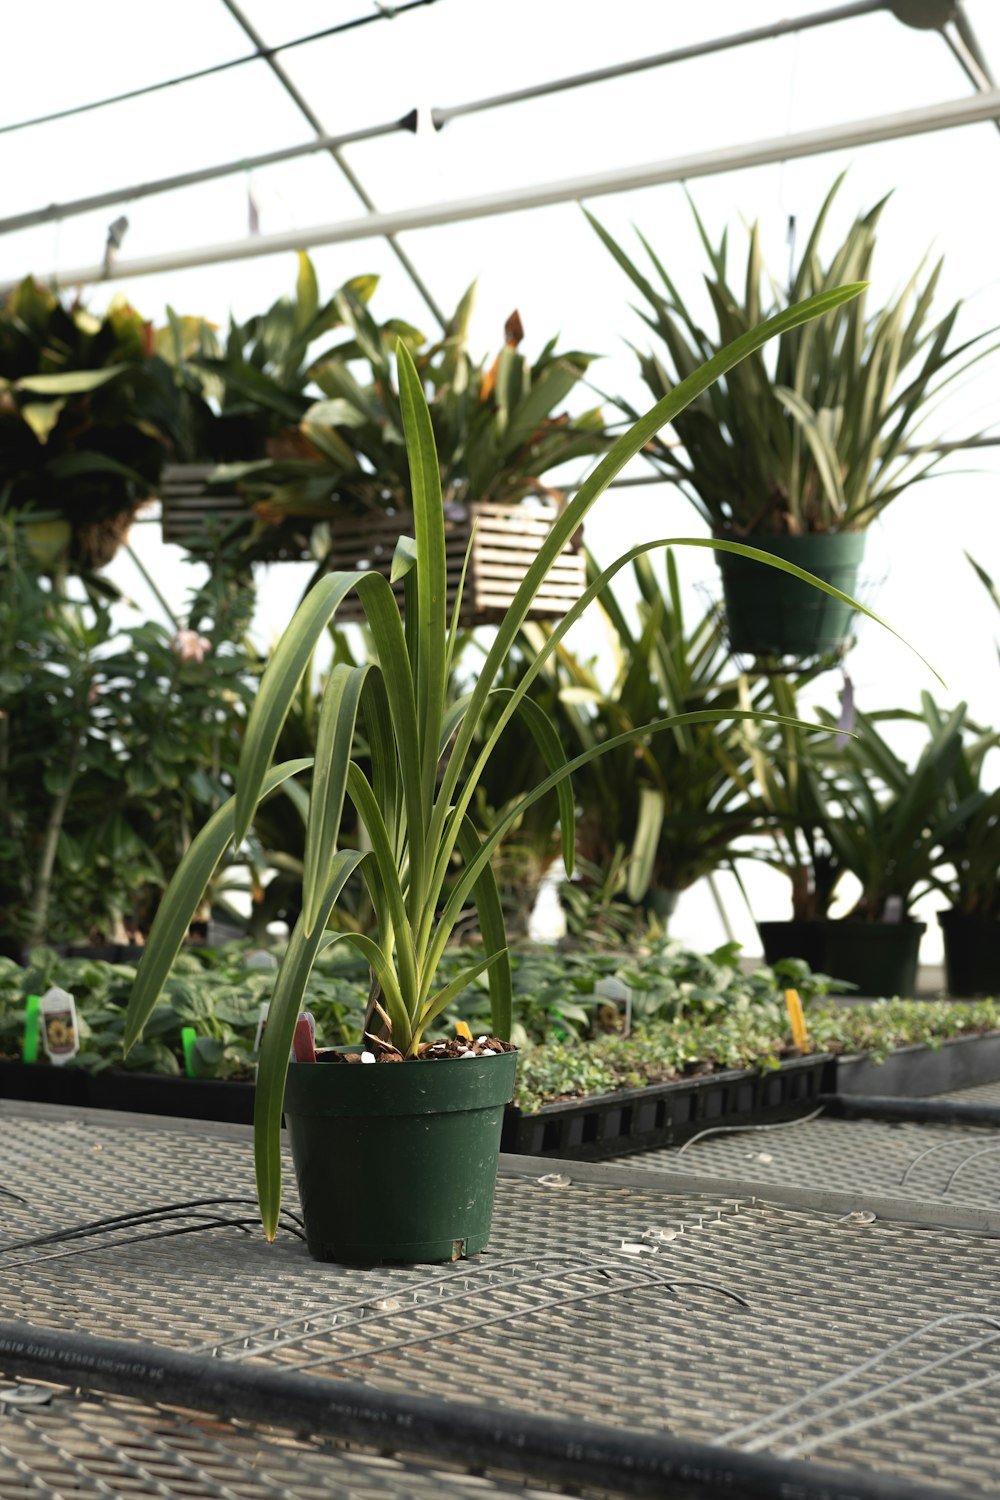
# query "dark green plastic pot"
(804, 940)
(971, 955)
(397, 1162)
(878, 958)
(769, 613)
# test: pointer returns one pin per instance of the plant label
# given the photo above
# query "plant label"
(615, 993)
(60, 1036)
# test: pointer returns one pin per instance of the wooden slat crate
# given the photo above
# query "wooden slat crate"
(187, 506)
(507, 539)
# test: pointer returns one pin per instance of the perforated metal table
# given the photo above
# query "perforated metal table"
(798, 1321)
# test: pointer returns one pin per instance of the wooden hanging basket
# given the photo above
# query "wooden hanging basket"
(187, 506)
(506, 543)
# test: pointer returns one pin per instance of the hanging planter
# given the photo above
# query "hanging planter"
(189, 507)
(505, 542)
(808, 442)
(397, 1163)
(772, 614)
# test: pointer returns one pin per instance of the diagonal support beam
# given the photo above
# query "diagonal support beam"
(307, 112)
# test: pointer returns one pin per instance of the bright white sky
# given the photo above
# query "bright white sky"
(545, 262)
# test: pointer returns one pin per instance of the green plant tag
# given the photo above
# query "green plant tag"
(188, 1038)
(29, 1046)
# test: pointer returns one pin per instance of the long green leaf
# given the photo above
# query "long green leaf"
(432, 570)
(73, 382)
(384, 859)
(183, 896)
(334, 742)
(464, 885)
(546, 738)
(278, 687)
(489, 909)
(572, 516)
(286, 1001)
(444, 996)
(647, 837)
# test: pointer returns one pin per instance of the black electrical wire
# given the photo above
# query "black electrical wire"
(624, 1461)
(260, 53)
(138, 1216)
(246, 1226)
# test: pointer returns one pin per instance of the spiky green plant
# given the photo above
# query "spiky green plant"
(425, 763)
(821, 433)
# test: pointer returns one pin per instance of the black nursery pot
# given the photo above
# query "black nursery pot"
(878, 958)
(971, 955)
(397, 1162)
(769, 613)
(805, 940)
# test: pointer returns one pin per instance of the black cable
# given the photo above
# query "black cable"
(924, 1111)
(624, 1461)
(260, 53)
(245, 1225)
(139, 1216)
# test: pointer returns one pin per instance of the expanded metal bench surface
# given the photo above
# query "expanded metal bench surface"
(801, 1327)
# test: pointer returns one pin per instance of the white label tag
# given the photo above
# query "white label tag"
(60, 1036)
(613, 990)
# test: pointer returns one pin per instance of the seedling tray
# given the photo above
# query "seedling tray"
(663, 1114)
(914, 1072)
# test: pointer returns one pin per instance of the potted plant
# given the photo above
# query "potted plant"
(88, 414)
(338, 480)
(969, 835)
(792, 810)
(374, 1185)
(310, 460)
(881, 820)
(677, 804)
(115, 746)
(802, 447)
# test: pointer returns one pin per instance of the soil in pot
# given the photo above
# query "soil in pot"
(769, 613)
(971, 955)
(398, 1164)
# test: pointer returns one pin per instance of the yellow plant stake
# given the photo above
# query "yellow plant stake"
(797, 1019)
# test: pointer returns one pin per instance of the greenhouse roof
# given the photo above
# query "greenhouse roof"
(522, 113)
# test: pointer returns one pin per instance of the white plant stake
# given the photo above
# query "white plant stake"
(60, 1036)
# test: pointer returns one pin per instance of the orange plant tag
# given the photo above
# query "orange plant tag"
(794, 1006)
(463, 1031)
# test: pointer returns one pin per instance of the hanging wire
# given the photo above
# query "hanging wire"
(260, 53)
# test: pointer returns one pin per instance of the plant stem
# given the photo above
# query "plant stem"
(150, 584)
(39, 915)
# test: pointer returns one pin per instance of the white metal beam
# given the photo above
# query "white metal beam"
(53, 212)
(969, 111)
(767, 33)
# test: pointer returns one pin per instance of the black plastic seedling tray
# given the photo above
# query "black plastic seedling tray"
(665, 1114)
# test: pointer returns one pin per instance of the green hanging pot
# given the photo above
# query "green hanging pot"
(397, 1162)
(769, 613)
